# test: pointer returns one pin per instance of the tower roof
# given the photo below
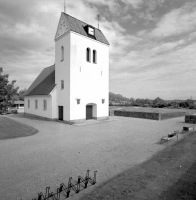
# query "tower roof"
(75, 25)
(44, 83)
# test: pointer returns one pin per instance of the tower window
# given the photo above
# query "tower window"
(94, 56)
(36, 104)
(28, 103)
(45, 104)
(62, 84)
(62, 53)
(88, 55)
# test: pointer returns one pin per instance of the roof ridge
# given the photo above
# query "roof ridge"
(29, 94)
(81, 21)
(78, 26)
(45, 77)
(40, 78)
(50, 66)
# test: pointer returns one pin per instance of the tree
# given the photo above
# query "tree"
(183, 104)
(7, 91)
(21, 94)
(158, 102)
(190, 103)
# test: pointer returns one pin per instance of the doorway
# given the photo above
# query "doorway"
(61, 113)
(89, 112)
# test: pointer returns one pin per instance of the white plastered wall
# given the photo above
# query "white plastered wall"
(53, 103)
(62, 72)
(89, 82)
(40, 110)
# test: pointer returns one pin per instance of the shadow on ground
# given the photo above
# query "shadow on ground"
(166, 175)
(184, 188)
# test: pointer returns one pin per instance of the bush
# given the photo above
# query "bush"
(15, 111)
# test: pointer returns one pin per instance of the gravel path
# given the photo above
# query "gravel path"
(59, 151)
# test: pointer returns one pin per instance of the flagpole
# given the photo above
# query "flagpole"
(64, 6)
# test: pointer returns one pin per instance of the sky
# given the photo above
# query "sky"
(152, 42)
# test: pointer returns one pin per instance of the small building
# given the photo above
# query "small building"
(76, 87)
(18, 104)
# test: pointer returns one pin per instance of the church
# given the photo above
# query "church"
(76, 87)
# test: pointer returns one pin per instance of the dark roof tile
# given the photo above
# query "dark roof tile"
(44, 83)
(79, 27)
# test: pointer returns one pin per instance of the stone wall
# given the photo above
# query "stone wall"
(144, 115)
(111, 112)
(170, 115)
(190, 119)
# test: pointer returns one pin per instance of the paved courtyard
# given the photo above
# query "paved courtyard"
(59, 151)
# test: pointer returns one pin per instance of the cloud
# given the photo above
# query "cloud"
(27, 32)
(134, 3)
(165, 70)
(112, 5)
(176, 22)
(118, 38)
(167, 46)
(150, 4)
(142, 58)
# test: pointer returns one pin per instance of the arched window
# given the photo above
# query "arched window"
(94, 56)
(88, 55)
(36, 104)
(45, 104)
(62, 53)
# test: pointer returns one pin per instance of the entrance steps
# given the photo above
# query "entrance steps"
(93, 121)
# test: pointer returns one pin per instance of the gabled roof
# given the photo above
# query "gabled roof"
(44, 83)
(78, 26)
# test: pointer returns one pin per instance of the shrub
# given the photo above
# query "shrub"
(14, 111)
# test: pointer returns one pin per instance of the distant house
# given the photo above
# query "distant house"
(18, 104)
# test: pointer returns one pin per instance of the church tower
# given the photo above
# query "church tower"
(81, 71)
(75, 88)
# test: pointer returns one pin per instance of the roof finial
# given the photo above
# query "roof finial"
(98, 20)
(64, 6)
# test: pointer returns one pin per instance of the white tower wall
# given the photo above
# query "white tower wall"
(62, 72)
(89, 82)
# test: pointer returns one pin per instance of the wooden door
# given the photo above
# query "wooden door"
(89, 112)
(61, 113)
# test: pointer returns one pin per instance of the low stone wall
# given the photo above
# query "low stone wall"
(171, 115)
(143, 115)
(111, 112)
(190, 119)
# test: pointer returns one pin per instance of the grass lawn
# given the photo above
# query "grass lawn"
(169, 174)
(12, 129)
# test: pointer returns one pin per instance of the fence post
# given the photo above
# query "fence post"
(78, 185)
(94, 178)
(69, 187)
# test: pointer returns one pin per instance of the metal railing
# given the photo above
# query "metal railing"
(63, 191)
